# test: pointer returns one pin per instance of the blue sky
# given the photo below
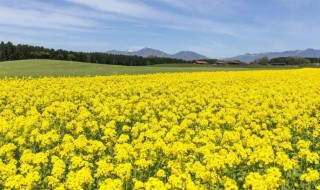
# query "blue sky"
(215, 28)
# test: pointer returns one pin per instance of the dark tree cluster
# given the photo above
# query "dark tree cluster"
(314, 60)
(293, 60)
(262, 61)
(9, 51)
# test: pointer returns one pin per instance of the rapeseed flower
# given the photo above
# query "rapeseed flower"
(209, 130)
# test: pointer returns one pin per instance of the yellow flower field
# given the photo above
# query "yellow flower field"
(219, 130)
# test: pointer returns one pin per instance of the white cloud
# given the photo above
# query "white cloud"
(239, 25)
(151, 16)
(178, 4)
(74, 16)
(14, 16)
(121, 7)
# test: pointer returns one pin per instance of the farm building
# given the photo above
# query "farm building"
(201, 62)
(231, 63)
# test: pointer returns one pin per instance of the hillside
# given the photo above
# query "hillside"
(145, 52)
(249, 57)
(10, 52)
(43, 67)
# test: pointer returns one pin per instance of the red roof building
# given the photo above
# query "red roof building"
(201, 62)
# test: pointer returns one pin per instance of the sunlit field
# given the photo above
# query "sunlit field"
(57, 68)
(209, 130)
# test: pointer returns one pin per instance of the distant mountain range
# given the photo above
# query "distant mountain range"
(189, 55)
(145, 52)
(248, 57)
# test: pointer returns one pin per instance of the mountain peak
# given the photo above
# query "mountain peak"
(189, 55)
(308, 49)
(145, 52)
(248, 57)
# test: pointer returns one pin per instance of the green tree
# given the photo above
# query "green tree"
(44, 55)
(71, 57)
(60, 56)
(262, 61)
(9, 49)
(2, 52)
(83, 57)
(300, 61)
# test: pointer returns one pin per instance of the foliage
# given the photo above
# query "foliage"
(8, 52)
(262, 61)
(231, 130)
(293, 60)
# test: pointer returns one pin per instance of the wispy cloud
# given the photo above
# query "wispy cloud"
(38, 19)
(229, 26)
(39, 14)
(139, 11)
(122, 7)
(36, 14)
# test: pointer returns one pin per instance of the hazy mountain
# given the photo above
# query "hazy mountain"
(145, 52)
(188, 55)
(248, 57)
(119, 52)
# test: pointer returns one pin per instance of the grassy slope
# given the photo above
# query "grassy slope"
(38, 68)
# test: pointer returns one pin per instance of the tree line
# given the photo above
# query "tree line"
(9, 51)
(296, 60)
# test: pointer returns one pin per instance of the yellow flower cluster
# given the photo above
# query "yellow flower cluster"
(218, 130)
